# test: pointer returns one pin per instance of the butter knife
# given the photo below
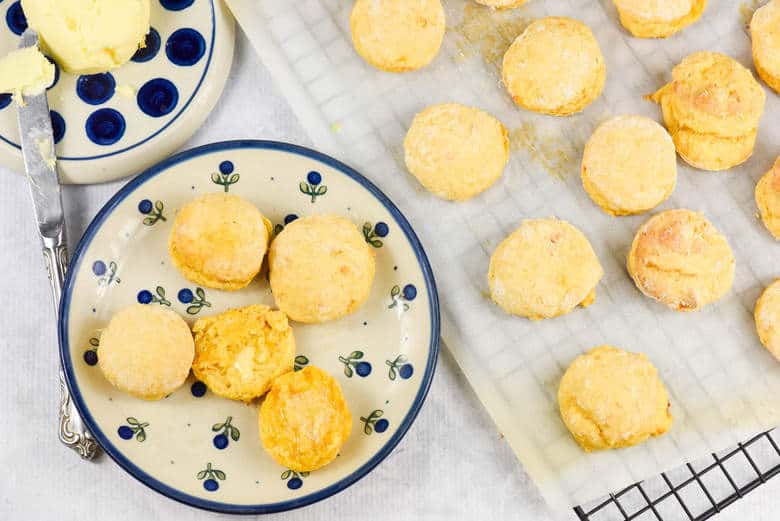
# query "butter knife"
(37, 141)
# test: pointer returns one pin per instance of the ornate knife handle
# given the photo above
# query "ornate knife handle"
(72, 431)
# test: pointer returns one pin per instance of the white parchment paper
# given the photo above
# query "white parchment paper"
(724, 386)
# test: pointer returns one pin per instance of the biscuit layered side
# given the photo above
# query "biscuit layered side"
(659, 19)
(712, 108)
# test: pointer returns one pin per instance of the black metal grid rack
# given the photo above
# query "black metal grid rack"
(695, 491)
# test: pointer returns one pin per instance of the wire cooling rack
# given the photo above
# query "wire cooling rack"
(695, 491)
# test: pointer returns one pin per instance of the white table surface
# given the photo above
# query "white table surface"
(452, 464)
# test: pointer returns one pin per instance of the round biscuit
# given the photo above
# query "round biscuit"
(658, 18)
(765, 34)
(768, 199)
(767, 317)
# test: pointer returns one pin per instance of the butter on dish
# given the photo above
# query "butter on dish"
(87, 36)
(25, 72)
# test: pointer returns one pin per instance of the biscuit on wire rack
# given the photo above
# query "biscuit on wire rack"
(768, 199)
(658, 18)
(765, 32)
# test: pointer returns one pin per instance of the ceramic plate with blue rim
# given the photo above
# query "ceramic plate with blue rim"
(107, 126)
(204, 450)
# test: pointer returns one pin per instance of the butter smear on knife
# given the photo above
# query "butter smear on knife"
(25, 72)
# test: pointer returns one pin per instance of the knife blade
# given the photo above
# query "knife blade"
(37, 139)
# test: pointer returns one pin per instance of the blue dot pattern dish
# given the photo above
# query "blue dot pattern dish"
(117, 123)
(204, 450)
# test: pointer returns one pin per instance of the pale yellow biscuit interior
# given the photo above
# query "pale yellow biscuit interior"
(765, 34)
(304, 420)
(768, 199)
(320, 268)
(554, 67)
(238, 353)
(219, 241)
(658, 18)
(680, 259)
(545, 268)
(397, 35)
(146, 351)
(610, 398)
(456, 152)
(629, 165)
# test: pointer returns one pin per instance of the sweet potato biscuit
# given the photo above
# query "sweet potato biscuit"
(681, 260)
(768, 199)
(712, 108)
(554, 67)
(658, 18)
(219, 241)
(304, 420)
(321, 268)
(610, 398)
(238, 353)
(456, 152)
(502, 4)
(397, 35)
(767, 315)
(765, 32)
(146, 351)
(629, 165)
(545, 268)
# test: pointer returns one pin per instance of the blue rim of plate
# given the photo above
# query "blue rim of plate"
(215, 506)
(164, 127)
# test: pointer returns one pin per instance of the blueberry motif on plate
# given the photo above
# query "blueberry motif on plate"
(157, 97)
(105, 127)
(15, 18)
(226, 432)
(294, 479)
(153, 211)
(374, 422)
(211, 477)
(133, 428)
(402, 297)
(354, 364)
(5, 100)
(150, 50)
(91, 354)
(56, 73)
(185, 47)
(57, 126)
(300, 362)
(399, 367)
(158, 297)
(176, 5)
(290, 217)
(198, 389)
(96, 89)
(196, 300)
(373, 234)
(313, 186)
(106, 274)
(226, 175)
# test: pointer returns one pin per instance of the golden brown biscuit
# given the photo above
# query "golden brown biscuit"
(768, 199)
(397, 35)
(238, 353)
(304, 420)
(219, 241)
(658, 18)
(681, 260)
(767, 316)
(712, 108)
(610, 398)
(545, 268)
(629, 165)
(765, 32)
(146, 351)
(554, 67)
(456, 152)
(321, 268)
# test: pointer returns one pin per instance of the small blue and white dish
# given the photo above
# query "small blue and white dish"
(107, 126)
(204, 450)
